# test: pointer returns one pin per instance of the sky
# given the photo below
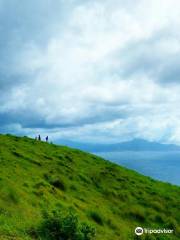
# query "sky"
(94, 71)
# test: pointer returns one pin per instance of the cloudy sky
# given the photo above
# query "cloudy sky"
(90, 70)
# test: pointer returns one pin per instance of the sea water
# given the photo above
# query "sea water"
(164, 166)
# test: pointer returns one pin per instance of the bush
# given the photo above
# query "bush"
(58, 183)
(137, 213)
(13, 196)
(96, 217)
(56, 226)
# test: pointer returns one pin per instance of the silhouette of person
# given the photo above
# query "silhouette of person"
(47, 139)
(39, 138)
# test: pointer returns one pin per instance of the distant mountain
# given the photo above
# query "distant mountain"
(134, 145)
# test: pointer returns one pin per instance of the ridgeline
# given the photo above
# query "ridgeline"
(37, 177)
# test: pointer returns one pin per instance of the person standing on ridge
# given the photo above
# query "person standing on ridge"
(39, 138)
(47, 139)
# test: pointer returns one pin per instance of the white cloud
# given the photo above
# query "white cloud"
(100, 73)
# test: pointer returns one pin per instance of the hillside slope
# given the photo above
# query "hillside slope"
(36, 176)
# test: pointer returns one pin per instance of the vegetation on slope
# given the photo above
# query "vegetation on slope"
(37, 177)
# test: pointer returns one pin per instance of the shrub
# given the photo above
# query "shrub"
(17, 154)
(56, 226)
(96, 217)
(159, 219)
(13, 196)
(136, 213)
(87, 232)
(58, 183)
(73, 187)
(111, 224)
(171, 223)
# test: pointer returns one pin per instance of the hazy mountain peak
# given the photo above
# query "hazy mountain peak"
(136, 144)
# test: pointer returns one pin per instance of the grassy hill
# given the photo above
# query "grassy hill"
(36, 177)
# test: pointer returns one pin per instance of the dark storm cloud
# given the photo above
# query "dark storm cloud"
(28, 120)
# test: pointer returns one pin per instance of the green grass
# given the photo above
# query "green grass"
(37, 177)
